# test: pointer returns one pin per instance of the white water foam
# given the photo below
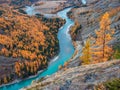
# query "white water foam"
(54, 59)
(67, 31)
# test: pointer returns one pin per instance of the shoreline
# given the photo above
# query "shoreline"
(78, 45)
(17, 80)
(31, 76)
(62, 9)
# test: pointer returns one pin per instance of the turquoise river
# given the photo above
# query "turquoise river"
(66, 52)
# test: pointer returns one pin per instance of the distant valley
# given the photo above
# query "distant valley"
(77, 39)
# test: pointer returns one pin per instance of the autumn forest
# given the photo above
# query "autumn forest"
(32, 40)
(59, 44)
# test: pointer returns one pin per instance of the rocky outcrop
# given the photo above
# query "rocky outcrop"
(79, 78)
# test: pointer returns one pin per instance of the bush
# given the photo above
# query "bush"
(116, 54)
(112, 84)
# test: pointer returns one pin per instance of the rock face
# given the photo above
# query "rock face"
(89, 18)
(79, 78)
(90, 15)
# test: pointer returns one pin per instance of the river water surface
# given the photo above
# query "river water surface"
(66, 52)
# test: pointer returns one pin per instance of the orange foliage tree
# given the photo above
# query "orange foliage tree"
(5, 80)
(101, 48)
(86, 53)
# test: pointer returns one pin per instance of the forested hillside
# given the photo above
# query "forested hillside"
(26, 43)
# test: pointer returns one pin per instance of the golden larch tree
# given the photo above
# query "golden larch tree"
(5, 80)
(101, 48)
(86, 53)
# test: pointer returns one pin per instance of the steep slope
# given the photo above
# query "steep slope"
(79, 78)
(88, 17)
